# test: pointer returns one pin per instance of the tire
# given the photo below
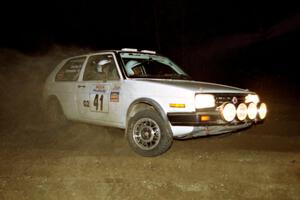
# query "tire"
(54, 114)
(147, 134)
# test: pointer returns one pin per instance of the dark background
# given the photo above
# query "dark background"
(249, 44)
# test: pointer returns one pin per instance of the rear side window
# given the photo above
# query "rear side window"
(101, 67)
(71, 70)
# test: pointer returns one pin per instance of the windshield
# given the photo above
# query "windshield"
(139, 65)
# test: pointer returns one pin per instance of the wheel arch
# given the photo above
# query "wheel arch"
(50, 98)
(147, 103)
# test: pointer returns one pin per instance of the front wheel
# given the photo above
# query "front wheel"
(147, 134)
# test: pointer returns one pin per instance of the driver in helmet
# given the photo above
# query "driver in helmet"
(134, 68)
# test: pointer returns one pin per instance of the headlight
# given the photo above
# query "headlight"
(262, 111)
(229, 112)
(204, 101)
(252, 111)
(241, 112)
(252, 98)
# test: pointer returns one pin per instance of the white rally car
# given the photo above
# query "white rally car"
(148, 95)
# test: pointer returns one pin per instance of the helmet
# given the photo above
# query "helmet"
(130, 65)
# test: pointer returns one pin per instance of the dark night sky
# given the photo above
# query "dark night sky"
(258, 38)
(155, 24)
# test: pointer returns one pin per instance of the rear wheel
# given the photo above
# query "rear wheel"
(54, 114)
(147, 133)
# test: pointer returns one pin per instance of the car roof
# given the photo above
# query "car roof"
(113, 51)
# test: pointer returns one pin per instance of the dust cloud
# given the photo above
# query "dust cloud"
(22, 78)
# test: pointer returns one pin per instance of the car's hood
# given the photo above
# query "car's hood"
(197, 86)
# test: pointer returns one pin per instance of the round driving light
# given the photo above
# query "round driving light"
(252, 111)
(262, 111)
(229, 112)
(241, 112)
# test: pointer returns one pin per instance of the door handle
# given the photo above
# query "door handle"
(81, 86)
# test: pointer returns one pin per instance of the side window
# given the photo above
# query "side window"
(101, 67)
(71, 69)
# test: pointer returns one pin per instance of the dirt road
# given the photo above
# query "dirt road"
(84, 161)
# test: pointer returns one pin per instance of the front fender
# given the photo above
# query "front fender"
(152, 103)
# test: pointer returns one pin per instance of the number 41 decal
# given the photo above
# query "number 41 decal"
(96, 102)
(100, 102)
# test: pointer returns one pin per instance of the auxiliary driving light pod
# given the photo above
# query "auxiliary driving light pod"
(229, 112)
(242, 111)
(262, 111)
(252, 111)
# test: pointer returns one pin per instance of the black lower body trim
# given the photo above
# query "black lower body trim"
(195, 119)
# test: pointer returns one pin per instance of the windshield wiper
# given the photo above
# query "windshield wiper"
(168, 76)
(178, 76)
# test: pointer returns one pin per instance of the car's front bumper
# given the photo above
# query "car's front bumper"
(201, 118)
(184, 132)
(186, 125)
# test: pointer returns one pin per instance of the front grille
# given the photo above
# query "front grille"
(228, 98)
